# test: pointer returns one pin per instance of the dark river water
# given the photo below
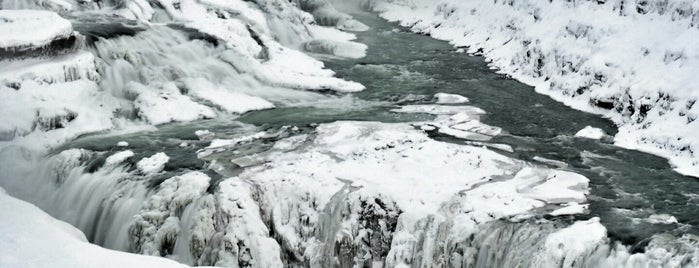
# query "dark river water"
(627, 187)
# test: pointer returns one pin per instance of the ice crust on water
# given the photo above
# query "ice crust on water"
(607, 57)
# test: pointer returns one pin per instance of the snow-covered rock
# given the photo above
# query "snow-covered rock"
(591, 133)
(153, 164)
(446, 98)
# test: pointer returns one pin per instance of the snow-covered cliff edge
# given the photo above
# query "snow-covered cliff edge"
(634, 61)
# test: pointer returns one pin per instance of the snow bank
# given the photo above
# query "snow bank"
(31, 238)
(633, 61)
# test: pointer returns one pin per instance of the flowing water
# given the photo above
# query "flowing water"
(628, 188)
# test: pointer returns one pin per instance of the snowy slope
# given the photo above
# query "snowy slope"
(31, 238)
(632, 61)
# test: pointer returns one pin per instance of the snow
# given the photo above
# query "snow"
(122, 144)
(571, 208)
(662, 219)
(229, 101)
(60, 245)
(31, 28)
(591, 133)
(566, 246)
(446, 98)
(440, 109)
(167, 105)
(153, 164)
(633, 62)
(397, 163)
(118, 158)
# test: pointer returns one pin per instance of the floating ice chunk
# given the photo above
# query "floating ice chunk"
(552, 162)
(118, 157)
(290, 143)
(498, 146)
(122, 144)
(571, 208)
(203, 134)
(591, 133)
(352, 25)
(662, 219)
(461, 134)
(446, 98)
(427, 127)
(228, 142)
(153, 164)
(31, 28)
(439, 109)
(478, 127)
(338, 48)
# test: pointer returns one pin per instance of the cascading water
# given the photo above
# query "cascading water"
(281, 185)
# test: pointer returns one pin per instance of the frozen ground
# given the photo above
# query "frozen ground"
(632, 61)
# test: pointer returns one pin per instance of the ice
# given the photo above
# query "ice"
(167, 105)
(397, 163)
(230, 101)
(203, 134)
(440, 109)
(591, 133)
(156, 226)
(122, 144)
(565, 247)
(446, 98)
(662, 219)
(552, 162)
(571, 208)
(153, 164)
(118, 158)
